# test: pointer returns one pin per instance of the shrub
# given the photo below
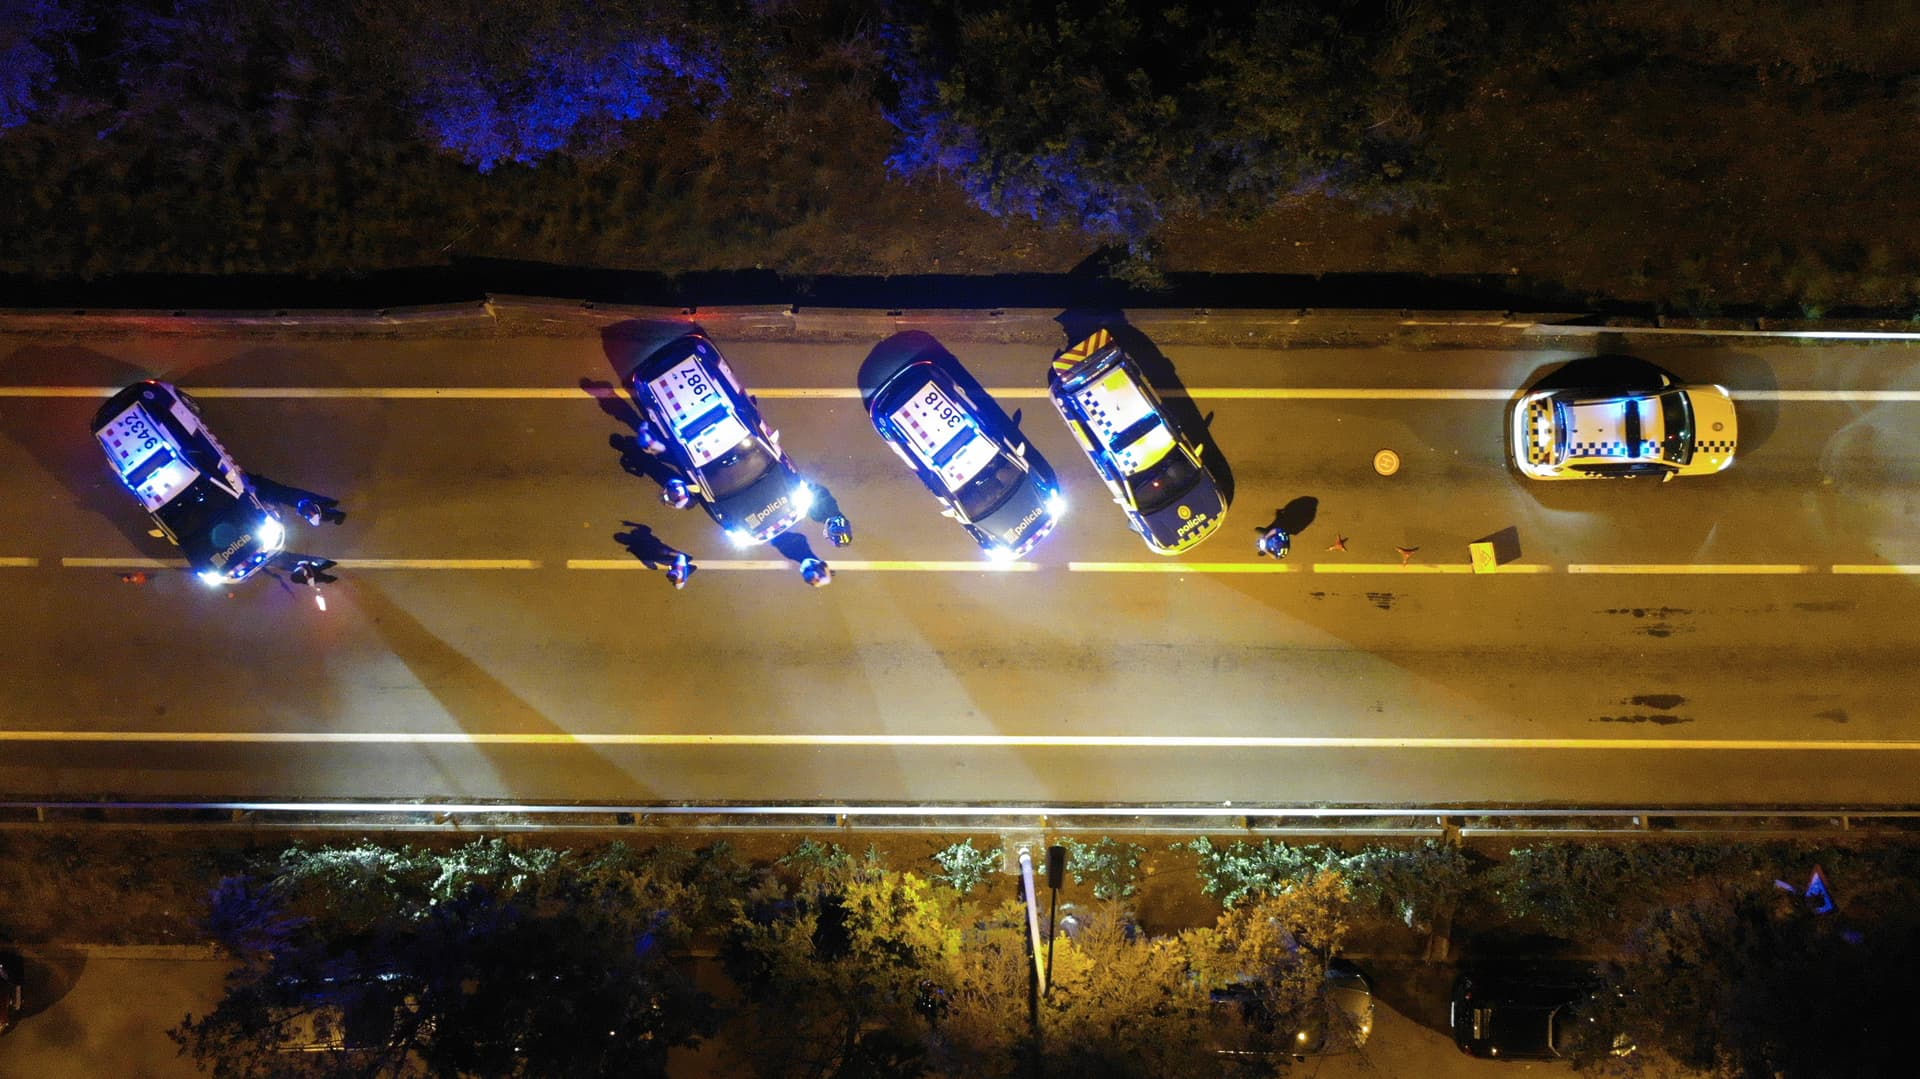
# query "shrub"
(963, 866)
(1113, 867)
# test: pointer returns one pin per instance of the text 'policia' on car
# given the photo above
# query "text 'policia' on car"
(718, 441)
(992, 486)
(188, 482)
(1153, 470)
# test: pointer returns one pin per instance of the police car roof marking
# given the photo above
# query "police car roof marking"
(684, 406)
(124, 442)
(927, 434)
(1112, 404)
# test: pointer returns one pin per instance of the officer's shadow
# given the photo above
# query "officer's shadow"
(634, 460)
(794, 547)
(1295, 517)
(640, 541)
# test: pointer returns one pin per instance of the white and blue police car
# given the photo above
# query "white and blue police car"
(717, 439)
(1153, 470)
(997, 489)
(187, 481)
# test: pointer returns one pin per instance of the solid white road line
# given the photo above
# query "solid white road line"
(952, 741)
(1878, 569)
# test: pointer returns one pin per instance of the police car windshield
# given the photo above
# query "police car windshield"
(194, 511)
(1165, 482)
(737, 469)
(986, 492)
(1676, 445)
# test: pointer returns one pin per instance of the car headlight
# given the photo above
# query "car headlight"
(740, 537)
(1001, 554)
(802, 496)
(1056, 505)
(272, 533)
(212, 578)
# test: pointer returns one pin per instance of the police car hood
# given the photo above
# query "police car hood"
(232, 538)
(1022, 519)
(1184, 520)
(1716, 433)
(767, 507)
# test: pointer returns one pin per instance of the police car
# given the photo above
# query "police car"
(1662, 430)
(732, 460)
(184, 478)
(982, 479)
(1154, 472)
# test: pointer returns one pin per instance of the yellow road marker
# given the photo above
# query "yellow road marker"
(1179, 567)
(1878, 569)
(958, 741)
(439, 563)
(1731, 569)
(18, 563)
(1021, 393)
(124, 563)
(726, 564)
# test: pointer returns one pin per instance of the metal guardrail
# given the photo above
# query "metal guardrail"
(1251, 821)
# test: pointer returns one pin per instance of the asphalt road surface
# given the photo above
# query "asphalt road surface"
(1741, 639)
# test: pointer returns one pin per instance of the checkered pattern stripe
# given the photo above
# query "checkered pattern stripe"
(1713, 445)
(1537, 421)
(1609, 448)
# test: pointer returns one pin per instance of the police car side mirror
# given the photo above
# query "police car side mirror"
(1020, 450)
(773, 436)
(1668, 476)
(1200, 450)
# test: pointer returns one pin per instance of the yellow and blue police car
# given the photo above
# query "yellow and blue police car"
(1154, 471)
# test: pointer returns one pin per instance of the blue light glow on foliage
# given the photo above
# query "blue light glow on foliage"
(1056, 187)
(27, 29)
(522, 116)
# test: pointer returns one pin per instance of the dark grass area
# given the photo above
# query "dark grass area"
(1589, 154)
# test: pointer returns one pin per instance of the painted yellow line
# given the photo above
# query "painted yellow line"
(837, 564)
(1179, 567)
(124, 563)
(1392, 567)
(1730, 569)
(1888, 569)
(1417, 567)
(439, 563)
(18, 563)
(1021, 393)
(958, 741)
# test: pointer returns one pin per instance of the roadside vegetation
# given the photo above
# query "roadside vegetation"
(801, 958)
(1589, 152)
